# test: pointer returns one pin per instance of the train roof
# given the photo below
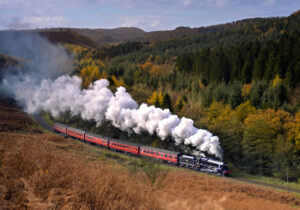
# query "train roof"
(188, 156)
(160, 150)
(124, 142)
(212, 161)
(77, 130)
(97, 136)
(60, 124)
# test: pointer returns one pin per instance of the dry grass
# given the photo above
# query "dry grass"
(36, 174)
(192, 191)
(45, 171)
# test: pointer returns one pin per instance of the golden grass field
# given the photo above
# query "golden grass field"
(45, 171)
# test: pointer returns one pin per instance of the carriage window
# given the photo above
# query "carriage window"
(166, 155)
(161, 154)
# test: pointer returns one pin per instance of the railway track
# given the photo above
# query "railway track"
(45, 125)
(266, 184)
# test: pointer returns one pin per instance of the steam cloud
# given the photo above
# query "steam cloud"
(38, 90)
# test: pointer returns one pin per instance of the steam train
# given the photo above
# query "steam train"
(175, 158)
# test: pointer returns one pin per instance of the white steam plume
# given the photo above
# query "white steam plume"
(98, 103)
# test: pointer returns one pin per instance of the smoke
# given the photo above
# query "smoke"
(40, 58)
(38, 90)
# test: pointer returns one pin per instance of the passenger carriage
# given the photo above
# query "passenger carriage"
(76, 133)
(160, 154)
(124, 146)
(96, 139)
(59, 127)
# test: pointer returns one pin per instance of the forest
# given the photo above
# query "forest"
(242, 83)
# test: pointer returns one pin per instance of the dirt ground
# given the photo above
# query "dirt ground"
(46, 171)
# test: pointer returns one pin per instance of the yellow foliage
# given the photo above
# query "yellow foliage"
(246, 90)
(276, 81)
(103, 75)
(201, 85)
(91, 71)
(243, 110)
(293, 127)
(76, 49)
(277, 120)
(214, 111)
(156, 98)
(222, 117)
(117, 82)
(160, 98)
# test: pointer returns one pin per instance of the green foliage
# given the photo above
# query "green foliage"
(245, 61)
(257, 147)
(244, 68)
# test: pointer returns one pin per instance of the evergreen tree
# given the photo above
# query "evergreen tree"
(247, 70)
(269, 72)
(290, 76)
(167, 103)
(259, 66)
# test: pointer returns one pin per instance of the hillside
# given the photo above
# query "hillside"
(239, 81)
(231, 83)
(95, 38)
(255, 26)
(35, 172)
(122, 34)
(69, 37)
(58, 36)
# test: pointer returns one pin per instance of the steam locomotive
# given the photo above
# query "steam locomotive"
(175, 158)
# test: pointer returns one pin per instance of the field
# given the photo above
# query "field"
(39, 170)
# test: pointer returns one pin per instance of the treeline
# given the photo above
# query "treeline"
(122, 49)
(246, 62)
(257, 141)
(242, 84)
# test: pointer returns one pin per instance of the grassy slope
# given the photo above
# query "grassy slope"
(47, 171)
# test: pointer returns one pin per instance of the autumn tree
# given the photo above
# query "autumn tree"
(156, 99)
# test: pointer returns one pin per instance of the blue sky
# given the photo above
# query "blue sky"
(148, 15)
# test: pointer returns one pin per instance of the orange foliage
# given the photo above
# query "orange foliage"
(152, 68)
(117, 82)
(246, 90)
(277, 120)
(147, 66)
(156, 69)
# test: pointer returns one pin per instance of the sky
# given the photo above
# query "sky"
(149, 15)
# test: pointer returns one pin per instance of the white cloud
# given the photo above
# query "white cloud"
(34, 22)
(144, 22)
(216, 3)
(186, 2)
(268, 2)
